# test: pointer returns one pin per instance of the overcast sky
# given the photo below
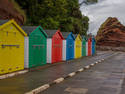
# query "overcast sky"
(99, 12)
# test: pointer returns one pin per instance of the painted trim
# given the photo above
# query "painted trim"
(87, 48)
(26, 52)
(49, 50)
(43, 31)
(64, 50)
(15, 24)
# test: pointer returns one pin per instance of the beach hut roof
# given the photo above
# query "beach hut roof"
(50, 33)
(29, 29)
(6, 23)
(3, 21)
(75, 35)
(83, 37)
(65, 34)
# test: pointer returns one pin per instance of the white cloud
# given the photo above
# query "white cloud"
(99, 12)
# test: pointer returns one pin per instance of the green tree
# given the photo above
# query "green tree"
(55, 14)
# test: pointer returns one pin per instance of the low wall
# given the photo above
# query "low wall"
(106, 48)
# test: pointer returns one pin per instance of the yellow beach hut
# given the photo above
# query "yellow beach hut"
(78, 46)
(11, 47)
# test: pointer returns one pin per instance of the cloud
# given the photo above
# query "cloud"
(99, 12)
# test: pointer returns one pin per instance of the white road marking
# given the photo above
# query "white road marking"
(80, 70)
(72, 74)
(92, 64)
(59, 80)
(87, 67)
(39, 89)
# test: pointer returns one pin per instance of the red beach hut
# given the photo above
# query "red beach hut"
(89, 46)
(54, 46)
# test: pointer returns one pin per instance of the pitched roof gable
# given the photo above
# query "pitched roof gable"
(83, 38)
(29, 29)
(50, 33)
(5, 23)
(75, 35)
(78, 35)
(65, 34)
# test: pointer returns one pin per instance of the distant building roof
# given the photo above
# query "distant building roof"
(50, 33)
(29, 29)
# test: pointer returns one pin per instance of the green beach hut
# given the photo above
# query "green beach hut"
(83, 46)
(35, 46)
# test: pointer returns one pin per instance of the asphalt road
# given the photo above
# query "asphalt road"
(104, 78)
(87, 81)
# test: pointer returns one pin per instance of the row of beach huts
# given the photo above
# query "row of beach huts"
(31, 46)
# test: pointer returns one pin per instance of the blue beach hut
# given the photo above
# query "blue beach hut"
(68, 46)
(93, 46)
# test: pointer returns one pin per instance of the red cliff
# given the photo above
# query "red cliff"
(111, 33)
(7, 11)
